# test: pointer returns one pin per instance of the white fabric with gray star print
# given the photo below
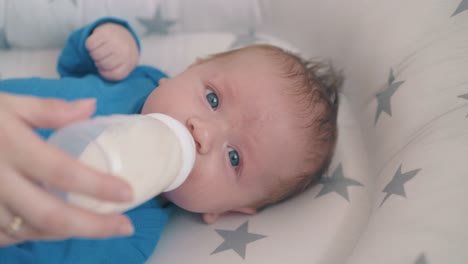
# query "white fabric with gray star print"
(397, 189)
(47, 23)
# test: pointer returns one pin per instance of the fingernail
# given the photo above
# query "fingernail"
(125, 229)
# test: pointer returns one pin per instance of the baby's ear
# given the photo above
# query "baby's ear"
(210, 218)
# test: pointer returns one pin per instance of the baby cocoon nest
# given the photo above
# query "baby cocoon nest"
(263, 122)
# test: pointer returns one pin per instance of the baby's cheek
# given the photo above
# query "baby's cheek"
(196, 179)
(192, 197)
(150, 104)
(203, 190)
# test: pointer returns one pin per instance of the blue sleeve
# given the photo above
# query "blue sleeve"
(75, 60)
(148, 219)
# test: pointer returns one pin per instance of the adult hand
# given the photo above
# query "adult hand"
(114, 51)
(27, 211)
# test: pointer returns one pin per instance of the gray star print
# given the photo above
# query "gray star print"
(73, 2)
(396, 185)
(3, 40)
(464, 96)
(236, 240)
(244, 39)
(337, 183)
(156, 24)
(461, 7)
(384, 98)
(421, 259)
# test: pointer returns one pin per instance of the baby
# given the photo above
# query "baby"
(264, 123)
(263, 119)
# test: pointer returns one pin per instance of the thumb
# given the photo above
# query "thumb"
(50, 113)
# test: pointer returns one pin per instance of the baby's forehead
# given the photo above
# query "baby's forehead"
(253, 54)
(278, 65)
(280, 140)
(263, 94)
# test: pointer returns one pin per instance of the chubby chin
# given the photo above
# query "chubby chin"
(186, 198)
(195, 193)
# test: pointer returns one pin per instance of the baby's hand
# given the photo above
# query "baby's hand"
(114, 51)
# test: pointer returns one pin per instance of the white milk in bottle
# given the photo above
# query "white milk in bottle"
(154, 153)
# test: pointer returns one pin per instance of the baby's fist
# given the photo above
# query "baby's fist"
(114, 51)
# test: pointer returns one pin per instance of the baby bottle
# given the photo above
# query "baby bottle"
(154, 153)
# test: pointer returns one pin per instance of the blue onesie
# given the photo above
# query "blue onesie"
(80, 79)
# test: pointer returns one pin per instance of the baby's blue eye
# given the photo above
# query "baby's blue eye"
(212, 99)
(233, 157)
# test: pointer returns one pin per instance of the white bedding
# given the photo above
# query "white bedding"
(396, 189)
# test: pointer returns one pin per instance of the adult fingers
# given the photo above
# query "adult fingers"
(57, 220)
(6, 240)
(5, 222)
(47, 113)
(42, 162)
(53, 167)
(23, 230)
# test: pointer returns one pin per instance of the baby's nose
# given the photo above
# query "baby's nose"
(201, 134)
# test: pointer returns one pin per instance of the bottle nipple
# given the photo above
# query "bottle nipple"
(187, 144)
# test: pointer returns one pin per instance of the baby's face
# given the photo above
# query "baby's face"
(248, 138)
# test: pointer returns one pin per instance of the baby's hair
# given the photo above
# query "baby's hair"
(316, 84)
